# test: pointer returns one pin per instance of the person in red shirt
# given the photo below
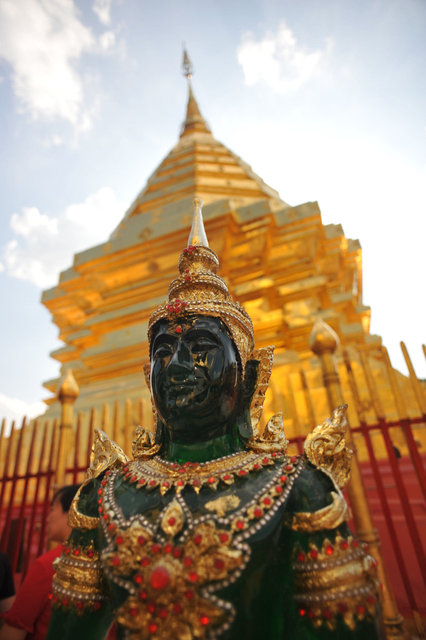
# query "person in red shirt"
(28, 618)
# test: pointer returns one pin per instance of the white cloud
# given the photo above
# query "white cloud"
(43, 40)
(102, 8)
(278, 61)
(44, 245)
(16, 409)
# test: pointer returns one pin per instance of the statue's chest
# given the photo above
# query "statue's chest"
(174, 538)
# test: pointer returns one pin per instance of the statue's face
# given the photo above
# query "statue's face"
(195, 378)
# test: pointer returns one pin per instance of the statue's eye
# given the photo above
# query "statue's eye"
(202, 345)
(163, 351)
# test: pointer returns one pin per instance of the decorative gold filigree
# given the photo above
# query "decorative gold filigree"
(265, 356)
(173, 519)
(339, 578)
(169, 603)
(156, 472)
(78, 520)
(198, 290)
(326, 446)
(143, 446)
(273, 437)
(328, 517)
(222, 505)
(106, 454)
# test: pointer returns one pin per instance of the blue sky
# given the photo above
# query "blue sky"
(324, 99)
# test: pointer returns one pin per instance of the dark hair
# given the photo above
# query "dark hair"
(66, 495)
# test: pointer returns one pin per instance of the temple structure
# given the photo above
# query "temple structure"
(281, 262)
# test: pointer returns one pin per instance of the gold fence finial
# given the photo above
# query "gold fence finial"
(323, 339)
(68, 388)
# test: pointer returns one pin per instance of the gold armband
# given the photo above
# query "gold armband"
(78, 579)
(328, 517)
(337, 579)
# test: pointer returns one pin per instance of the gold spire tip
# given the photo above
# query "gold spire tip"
(187, 67)
(198, 236)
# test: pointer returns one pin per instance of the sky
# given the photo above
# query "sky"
(325, 99)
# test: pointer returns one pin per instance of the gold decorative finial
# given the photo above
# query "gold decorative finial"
(68, 387)
(323, 339)
(187, 67)
(197, 236)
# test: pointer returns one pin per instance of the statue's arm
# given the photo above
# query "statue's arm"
(80, 606)
(334, 588)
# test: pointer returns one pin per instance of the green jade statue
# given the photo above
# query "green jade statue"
(213, 531)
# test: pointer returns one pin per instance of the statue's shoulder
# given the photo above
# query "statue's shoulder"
(316, 501)
(106, 455)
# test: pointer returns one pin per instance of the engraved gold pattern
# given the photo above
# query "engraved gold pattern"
(143, 446)
(338, 579)
(221, 505)
(326, 446)
(173, 519)
(265, 356)
(106, 454)
(328, 517)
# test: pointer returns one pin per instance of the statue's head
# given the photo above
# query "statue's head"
(200, 341)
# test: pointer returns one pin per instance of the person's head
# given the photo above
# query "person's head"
(196, 378)
(57, 520)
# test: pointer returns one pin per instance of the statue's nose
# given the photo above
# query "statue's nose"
(181, 363)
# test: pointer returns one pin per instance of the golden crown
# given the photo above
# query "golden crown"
(198, 290)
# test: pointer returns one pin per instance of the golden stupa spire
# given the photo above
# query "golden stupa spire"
(194, 121)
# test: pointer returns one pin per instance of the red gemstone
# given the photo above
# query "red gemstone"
(177, 608)
(242, 473)
(100, 509)
(138, 578)
(76, 552)
(119, 540)
(168, 548)
(64, 601)
(302, 612)
(227, 477)
(103, 483)
(171, 521)
(152, 627)
(258, 512)
(127, 474)
(163, 613)
(196, 482)
(361, 609)
(133, 611)
(133, 479)
(90, 553)
(256, 466)
(189, 594)
(329, 550)
(204, 620)
(267, 501)
(288, 467)
(188, 278)
(160, 578)
(152, 483)
(211, 480)
(180, 483)
(278, 489)
(156, 548)
(105, 516)
(145, 561)
(100, 501)
(301, 557)
(355, 543)
(80, 605)
(67, 550)
(141, 540)
(223, 537)
(327, 614)
(313, 553)
(219, 563)
(166, 484)
(100, 491)
(150, 607)
(283, 478)
(111, 526)
(142, 595)
(293, 459)
(178, 329)
(198, 538)
(96, 606)
(240, 524)
(177, 552)
(116, 561)
(193, 576)
(187, 561)
(142, 481)
(344, 545)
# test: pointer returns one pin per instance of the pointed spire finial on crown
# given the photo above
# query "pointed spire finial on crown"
(194, 121)
(197, 236)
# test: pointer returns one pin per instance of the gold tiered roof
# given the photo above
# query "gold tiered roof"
(279, 261)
